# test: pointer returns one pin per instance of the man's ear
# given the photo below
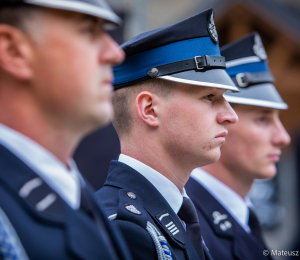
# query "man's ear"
(15, 52)
(146, 105)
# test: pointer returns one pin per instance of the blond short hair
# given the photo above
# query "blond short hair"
(123, 98)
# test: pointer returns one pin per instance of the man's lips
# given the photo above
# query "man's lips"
(222, 135)
(275, 157)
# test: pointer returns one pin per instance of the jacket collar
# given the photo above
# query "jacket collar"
(222, 223)
(228, 198)
(171, 194)
(46, 206)
(122, 176)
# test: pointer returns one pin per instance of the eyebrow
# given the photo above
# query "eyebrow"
(89, 18)
(265, 111)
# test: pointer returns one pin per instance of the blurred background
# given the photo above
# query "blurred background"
(278, 22)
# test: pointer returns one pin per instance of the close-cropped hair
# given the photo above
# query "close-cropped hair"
(123, 99)
(18, 15)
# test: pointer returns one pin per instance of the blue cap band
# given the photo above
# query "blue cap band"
(254, 67)
(136, 66)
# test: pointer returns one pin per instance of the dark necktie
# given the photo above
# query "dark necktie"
(255, 226)
(188, 214)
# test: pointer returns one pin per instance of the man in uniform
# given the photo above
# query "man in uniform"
(219, 191)
(171, 116)
(55, 86)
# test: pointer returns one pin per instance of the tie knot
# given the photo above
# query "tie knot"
(188, 212)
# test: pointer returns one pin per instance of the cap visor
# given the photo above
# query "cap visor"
(82, 7)
(263, 95)
(217, 78)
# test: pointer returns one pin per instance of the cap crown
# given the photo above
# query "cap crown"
(247, 65)
(195, 36)
(98, 8)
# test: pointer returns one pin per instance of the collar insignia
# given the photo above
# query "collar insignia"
(258, 48)
(218, 217)
(212, 28)
(226, 225)
(169, 225)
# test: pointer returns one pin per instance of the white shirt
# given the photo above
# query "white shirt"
(228, 198)
(62, 180)
(166, 188)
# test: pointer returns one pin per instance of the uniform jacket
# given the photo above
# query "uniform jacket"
(152, 208)
(53, 231)
(222, 234)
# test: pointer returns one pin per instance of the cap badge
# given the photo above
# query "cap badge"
(212, 28)
(258, 48)
(133, 209)
(131, 195)
(218, 217)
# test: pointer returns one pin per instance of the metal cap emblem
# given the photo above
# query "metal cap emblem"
(258, 48)
(212, 28)
(131, 195)
(133, 209)
(153, 72)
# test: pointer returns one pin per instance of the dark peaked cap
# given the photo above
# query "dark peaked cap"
(247, 65)
(98, 8)
(193, 27)
(185, 52)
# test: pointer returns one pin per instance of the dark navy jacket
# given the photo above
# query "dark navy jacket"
(224, 237)
(57, 232)
(153, 208)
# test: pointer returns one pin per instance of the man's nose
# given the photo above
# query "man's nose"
(111, 52)
(281, 137)
(227, 114)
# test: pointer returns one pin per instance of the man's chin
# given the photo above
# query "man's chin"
(268, 173)
(212, 157)
(105, 115)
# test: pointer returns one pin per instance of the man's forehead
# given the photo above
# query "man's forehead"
(198, 89)
(250, 109)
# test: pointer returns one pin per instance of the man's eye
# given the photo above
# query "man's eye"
(263, 119)
(89, 29)
(209, 97)
(92, 30)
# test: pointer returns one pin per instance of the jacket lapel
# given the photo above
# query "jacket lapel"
(223, 224)
(122, 176)
(46, 206)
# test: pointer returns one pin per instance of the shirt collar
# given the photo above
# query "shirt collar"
(166, 188)
(61, 179)
(228, 198)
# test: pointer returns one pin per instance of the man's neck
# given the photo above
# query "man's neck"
(236, 181)
(33, 125)
(155, 158)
